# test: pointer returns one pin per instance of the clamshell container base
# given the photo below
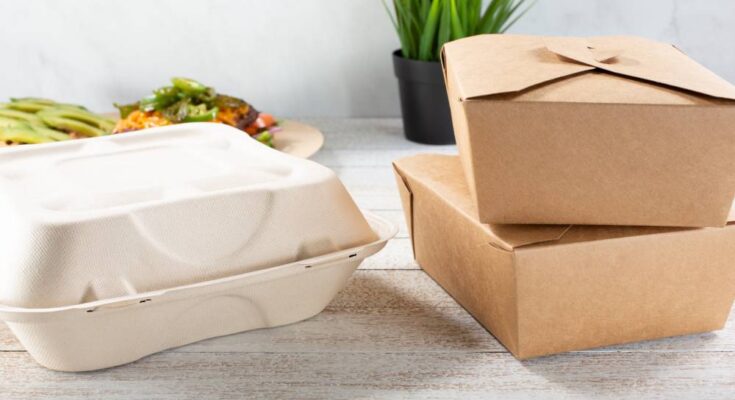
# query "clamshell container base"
(112, 332)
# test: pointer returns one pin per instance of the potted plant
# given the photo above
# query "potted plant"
(423, 27)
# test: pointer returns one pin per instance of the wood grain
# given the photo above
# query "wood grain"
(392, 333)
(452, 375)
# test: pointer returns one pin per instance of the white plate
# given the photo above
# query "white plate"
(298, 139)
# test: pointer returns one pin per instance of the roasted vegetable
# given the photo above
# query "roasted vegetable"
(265, 138)
(187, 100)
(200, 114)
(189, 86)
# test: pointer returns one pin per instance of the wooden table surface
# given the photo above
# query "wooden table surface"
(391, 333)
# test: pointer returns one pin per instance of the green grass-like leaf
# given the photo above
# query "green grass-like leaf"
(445, 28)
(423, 26)
(458, 26)
(428, 34)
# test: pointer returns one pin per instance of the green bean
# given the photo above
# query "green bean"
(13, 123)
(36, 100)
(19, 115)
(27, 106)
(188, 86)
(266, 138)
(52, 134)
(21, 135)
(88, 118)
(70, 125)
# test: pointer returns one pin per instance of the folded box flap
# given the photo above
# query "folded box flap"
(442, 176)
(515, 236)
(645, 59)
(486, 65)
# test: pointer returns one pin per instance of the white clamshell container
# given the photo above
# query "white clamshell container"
(118, 247)
(116, 331)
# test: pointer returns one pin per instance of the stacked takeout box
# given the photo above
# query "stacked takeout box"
(589, 204)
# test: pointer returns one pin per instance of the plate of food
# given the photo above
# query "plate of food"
(36, 121)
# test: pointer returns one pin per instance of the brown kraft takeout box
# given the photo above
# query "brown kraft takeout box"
(602, 131)
(544, 289)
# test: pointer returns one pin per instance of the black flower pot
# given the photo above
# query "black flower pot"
(424, 104)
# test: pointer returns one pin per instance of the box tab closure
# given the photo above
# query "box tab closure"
(645, 59)
(487, 65)
(512, 237)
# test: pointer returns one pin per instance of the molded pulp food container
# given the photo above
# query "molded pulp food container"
(118, 247)
(544, 289)
(600, 131)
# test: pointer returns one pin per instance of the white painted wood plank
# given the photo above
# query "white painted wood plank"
(397, 254)
(366, 134)
(372, 188)
(336, 158)
(368, 179)
(348, 331)
(482, 375)
(368, 143)
(379, 202)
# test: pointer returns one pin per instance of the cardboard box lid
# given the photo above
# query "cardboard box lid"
(443, 175)
(487, 65)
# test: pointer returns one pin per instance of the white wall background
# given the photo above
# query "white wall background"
(290, 57)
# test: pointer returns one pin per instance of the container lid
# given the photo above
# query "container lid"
(488, 65)
(71, 181)
(118, 215)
